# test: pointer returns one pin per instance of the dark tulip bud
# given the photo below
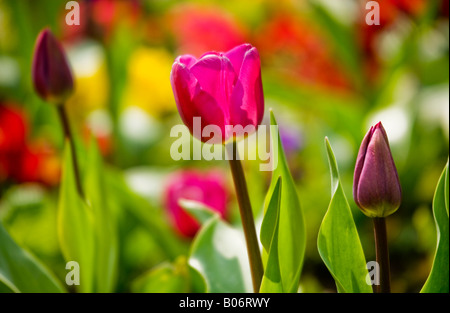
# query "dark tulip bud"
(51, 74)
(376, 187)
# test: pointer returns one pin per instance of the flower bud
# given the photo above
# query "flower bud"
(376, 187)
(51, 74)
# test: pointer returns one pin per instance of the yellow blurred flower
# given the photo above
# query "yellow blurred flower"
(89, 66)
(148, 85)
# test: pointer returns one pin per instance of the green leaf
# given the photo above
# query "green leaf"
(105, 232)
(219, 254)
(438, 279)
(198, 210)
(75, 226)
(446, 188)
(271, 281)
(177, 277)
(291, 231)
(22, 272)
(150, 216)
(338, 241)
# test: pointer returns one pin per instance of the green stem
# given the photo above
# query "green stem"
(382, 255)
(245, 209)
(68, 135)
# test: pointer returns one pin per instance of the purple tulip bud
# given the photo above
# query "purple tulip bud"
(223, 89)
(52, 77)
(376, 187)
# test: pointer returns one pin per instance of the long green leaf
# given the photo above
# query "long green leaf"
(219, 253)
(75, 229)
(105, 232)
(271, 281)
(446, 188)
(291, 230)
(338, 241)
(22, 272)
(438, 279)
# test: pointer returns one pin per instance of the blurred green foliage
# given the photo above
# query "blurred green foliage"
(319, 76)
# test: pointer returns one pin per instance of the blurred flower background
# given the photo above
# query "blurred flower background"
(325, 73)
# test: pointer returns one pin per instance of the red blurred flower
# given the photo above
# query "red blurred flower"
(12, 129)
(12, 139)
(20, 161)
(300, 51)
(39, 163)
(198, 29)
(207, 188)
(390, 12)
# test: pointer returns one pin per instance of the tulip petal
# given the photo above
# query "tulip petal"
(187, 60)
(211, 113)
(236, 56)
(216, 76)
(360, 163)
(247, 100)
(183, 86)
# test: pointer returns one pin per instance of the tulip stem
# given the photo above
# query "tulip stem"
(382, 255)
(68, 135)
(245, 209)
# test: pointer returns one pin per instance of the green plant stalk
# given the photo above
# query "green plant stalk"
(68, 135)
(382, 255)
(245, 209)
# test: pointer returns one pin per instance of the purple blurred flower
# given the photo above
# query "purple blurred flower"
(51, 74)
(291, 139)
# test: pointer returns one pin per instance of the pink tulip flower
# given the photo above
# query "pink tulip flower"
(222, 89)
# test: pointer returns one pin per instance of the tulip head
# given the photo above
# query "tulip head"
(51, 74)
(223, 89)
(376, 187)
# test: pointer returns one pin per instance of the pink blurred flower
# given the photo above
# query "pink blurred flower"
(207, 188)
(220, 88)
(197, 29)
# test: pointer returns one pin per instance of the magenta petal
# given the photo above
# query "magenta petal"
(216, 76)
(183, 86)
(51, 74)
(236, 56)
(211, 113)
(247, 100)
(187, 60)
